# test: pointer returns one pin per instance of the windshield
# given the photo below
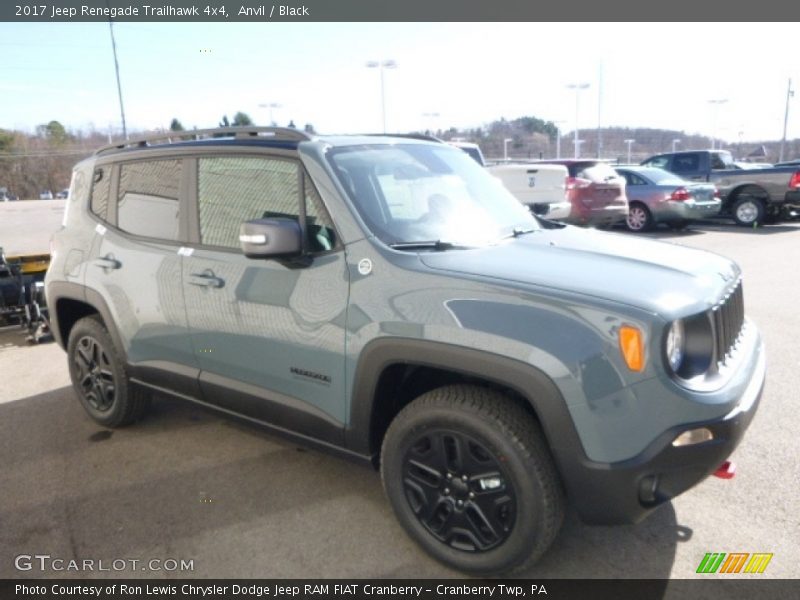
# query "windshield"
(416, 193)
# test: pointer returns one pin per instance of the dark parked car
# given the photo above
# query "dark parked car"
(596, 192)
(658, 196)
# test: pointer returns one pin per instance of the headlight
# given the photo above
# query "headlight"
(675, 345)
(689, 346)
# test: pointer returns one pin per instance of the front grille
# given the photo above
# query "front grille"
(728, 317)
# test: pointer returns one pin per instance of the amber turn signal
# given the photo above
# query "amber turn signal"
(631, 345)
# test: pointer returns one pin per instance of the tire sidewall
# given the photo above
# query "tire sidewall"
(647, 220)
(527, 489)
(757, 205)
(93, 329)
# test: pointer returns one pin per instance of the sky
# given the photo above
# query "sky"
(659, 75)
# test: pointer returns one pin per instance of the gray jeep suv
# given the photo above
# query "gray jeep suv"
(387, 299)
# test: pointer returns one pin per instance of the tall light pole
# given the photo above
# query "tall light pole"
(716, 103)
(577, 87)
(558, 137)
(629, 142)
(675, 142)
(381, 65)
(271, 106)
(505, 147)
(789, 94)
(119, 85)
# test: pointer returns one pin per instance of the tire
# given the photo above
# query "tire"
(748, 211)
(639, 218)
(100, 377)
(432, 456)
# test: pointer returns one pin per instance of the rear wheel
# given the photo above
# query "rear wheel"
(471, 480)
(639, 218)
(748, 210)
(100, 378)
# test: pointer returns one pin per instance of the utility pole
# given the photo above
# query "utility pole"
(629, 142)
(789, 94)
(119, 85)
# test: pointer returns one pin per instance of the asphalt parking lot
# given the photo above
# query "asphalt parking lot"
(188, 485)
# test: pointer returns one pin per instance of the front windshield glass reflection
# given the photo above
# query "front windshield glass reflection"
(416, 193)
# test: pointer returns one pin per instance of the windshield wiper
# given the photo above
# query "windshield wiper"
(518, 231)
(425, 245)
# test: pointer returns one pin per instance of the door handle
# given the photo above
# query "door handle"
(206, 279)
(107, 262)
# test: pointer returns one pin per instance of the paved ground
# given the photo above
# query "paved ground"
(186, 484)
(18, 237)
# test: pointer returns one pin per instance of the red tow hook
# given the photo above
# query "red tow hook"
(726, 470)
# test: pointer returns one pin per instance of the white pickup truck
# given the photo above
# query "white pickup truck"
(540, 187)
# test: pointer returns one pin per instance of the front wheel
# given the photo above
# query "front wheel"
(100, 378)
(471, 480)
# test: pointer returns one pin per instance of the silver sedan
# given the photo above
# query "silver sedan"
(658, 196)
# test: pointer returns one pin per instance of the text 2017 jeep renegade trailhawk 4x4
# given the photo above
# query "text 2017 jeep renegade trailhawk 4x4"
(387, 298)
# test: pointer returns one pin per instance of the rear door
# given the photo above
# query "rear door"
(135, 267)
(269, 334)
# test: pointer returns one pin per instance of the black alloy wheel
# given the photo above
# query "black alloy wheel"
(100, 377)
(94, 373)
(459, 491)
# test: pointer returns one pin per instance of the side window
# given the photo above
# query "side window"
(147, 203)
(661, 162)
(321, 236)
(716, 163)
(685, 163)
(101, 187)
(235, 189)
(634, 179)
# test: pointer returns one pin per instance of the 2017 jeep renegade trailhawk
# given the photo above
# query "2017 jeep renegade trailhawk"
(385, 297)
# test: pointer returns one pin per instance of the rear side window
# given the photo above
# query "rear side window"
(633, 179)
(147, 202)
(101, 187)
(686, 163)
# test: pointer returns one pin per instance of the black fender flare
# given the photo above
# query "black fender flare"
(528, 381)
(64, 290)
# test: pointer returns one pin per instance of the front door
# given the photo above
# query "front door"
(268, 334)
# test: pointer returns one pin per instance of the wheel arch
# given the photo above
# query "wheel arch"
(747, 187)
(393, 371)
(71, 302)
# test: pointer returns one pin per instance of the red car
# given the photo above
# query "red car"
(596, 192)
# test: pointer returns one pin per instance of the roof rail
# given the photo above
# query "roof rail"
(413, 136)
(167, 137)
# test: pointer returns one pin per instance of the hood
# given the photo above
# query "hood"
(662, 278)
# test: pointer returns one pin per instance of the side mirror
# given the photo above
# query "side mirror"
(271, 238)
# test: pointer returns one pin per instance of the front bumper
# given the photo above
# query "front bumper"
(627, 491)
